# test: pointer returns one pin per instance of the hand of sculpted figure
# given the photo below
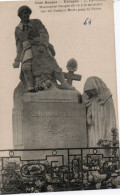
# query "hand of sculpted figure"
(16, 64)
(34, 52)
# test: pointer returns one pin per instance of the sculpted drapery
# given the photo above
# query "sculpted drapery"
(100, 110)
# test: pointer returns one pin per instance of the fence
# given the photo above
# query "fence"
(42, 170)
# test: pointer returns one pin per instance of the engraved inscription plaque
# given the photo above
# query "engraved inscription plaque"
(54, 125)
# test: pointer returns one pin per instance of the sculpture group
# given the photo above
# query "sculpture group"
(37, 56)
(40, 73)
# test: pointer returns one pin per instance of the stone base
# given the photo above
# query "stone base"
(50, 119)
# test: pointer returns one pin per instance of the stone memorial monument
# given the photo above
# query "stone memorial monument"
(45, 114)
(51, 118)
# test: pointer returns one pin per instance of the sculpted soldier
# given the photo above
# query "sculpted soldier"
(34, 52)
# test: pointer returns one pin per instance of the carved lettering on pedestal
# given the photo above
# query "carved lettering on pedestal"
(57, 138)
(51, 114)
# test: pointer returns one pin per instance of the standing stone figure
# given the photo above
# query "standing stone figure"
(30, 52)
(100, 110)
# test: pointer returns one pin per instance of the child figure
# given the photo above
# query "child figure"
(45, 64)
(44, 40)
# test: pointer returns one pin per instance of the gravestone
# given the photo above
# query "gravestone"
(50, 119)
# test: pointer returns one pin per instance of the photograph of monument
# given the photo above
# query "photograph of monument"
(61, 128)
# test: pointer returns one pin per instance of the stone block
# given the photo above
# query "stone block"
(52, 119)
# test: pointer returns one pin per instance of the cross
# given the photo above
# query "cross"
(72, 67)
(70, 76)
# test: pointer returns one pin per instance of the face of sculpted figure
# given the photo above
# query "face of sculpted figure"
(91, 93)
(25, 16)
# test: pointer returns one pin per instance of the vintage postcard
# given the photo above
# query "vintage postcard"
(58, 100)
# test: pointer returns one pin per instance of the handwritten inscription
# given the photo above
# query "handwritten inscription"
(53, 114)
(87, 21)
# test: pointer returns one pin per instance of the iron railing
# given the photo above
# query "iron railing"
(41, 170)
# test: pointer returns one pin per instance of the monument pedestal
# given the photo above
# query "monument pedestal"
(50, 119)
